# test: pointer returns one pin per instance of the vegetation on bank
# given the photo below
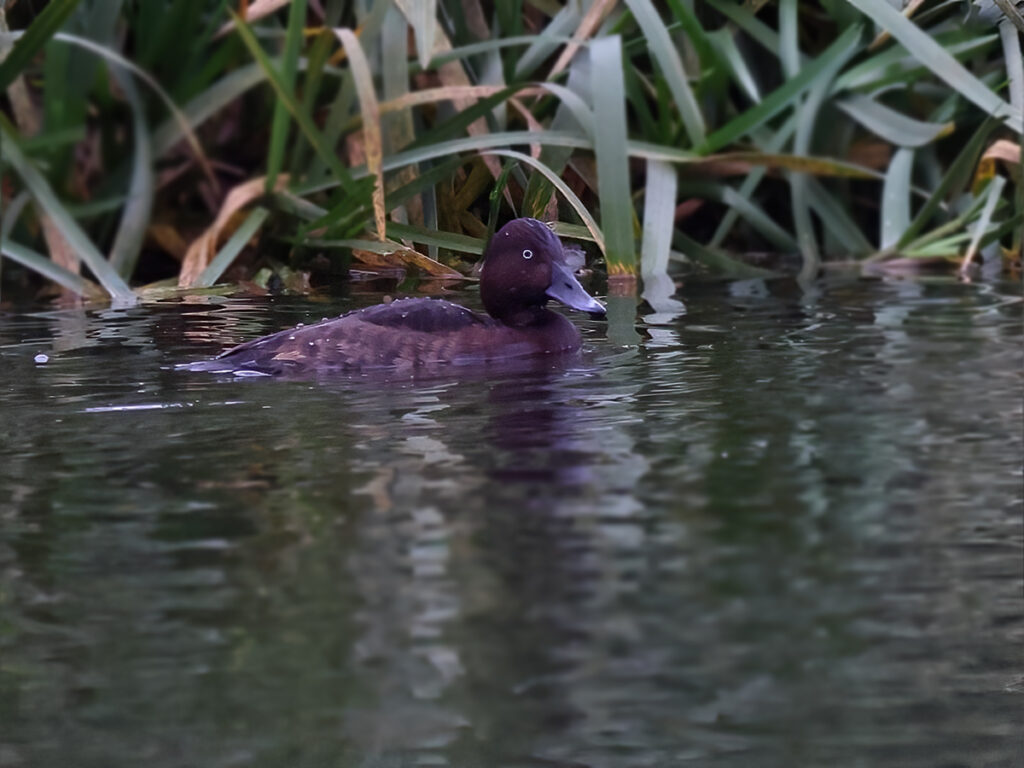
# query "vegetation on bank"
(201, 141)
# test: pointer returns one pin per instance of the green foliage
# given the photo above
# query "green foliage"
(787, 125)
(36, 36)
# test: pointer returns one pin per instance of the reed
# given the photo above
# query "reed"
(191, 144)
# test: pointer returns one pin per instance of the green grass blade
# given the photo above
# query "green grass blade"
(1015, 74)
(575, 106)
(457, 123)
(1014, 64)
(777, 140)
(397, 127)
(757, 218)
(42, 28)
(994, 194)
(497, 196)
(12, 211)
(131, 231)
(781, 97)
(895, 127)
(289, 68)
(69, 229)
(48, 269)
(659, 215)
(661, 47)
(293, 205)
(788, 50)
(114, 57)
(807, 119)
(895, 213)
(954, 225)
(561, 186)
(897, 66)
(819, 166)
(715, 258)
(938, 60)
(698, 37)
(952, 246)
(449, 240)
(204, 106)
(957, 173)
(426, 236)
(425, 181)
(837, 220)
(741, 15)
(305, 122)
(339, 119)
(561, 26)
(490, 46)
(747, 209)
(347, 214)
(571, 231)
(423, 20)
(611, 153)
(227, 253)
(312, 96)
(732, 57)
(807, 115)
(538, 191)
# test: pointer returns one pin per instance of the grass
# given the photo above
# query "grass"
(194, 146)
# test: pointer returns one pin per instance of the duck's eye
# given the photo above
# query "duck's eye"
(527, 254)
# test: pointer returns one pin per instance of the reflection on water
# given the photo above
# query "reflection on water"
(785, 529)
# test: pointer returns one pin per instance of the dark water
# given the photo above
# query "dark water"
(785, 529)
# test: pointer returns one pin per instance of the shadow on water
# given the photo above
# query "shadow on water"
(785, 529)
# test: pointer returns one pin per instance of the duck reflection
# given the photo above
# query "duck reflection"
(488, 555)
(536, 435)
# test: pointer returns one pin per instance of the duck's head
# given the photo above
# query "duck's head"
(525, 265)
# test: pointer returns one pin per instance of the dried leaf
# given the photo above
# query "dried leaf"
(403, 258)
(168, 239)
(451, 73)
(27, 117)
(355, 149)
(476, 21)
(883, 37)
(372, 141)
(204, 247)
(255, 11)
(588, 24)
(1002, 151)
(531, 123)
(870, 154)
(61, 252)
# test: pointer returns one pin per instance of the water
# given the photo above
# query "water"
(785, 529)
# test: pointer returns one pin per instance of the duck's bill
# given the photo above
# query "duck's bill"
(567, 289)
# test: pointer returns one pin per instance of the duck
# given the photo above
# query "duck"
(525, 265)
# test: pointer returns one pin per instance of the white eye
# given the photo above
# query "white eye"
(527, 254)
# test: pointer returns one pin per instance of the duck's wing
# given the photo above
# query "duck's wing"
(379, 336)
(426, 315)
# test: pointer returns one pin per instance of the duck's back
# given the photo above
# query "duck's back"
(402, 335)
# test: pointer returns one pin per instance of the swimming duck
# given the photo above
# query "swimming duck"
(524, 266)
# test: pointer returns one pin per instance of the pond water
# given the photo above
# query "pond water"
(781, 528)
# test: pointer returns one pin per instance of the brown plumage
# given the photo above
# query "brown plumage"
(524, 266)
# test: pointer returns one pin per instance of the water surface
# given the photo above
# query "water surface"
(780, 529)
